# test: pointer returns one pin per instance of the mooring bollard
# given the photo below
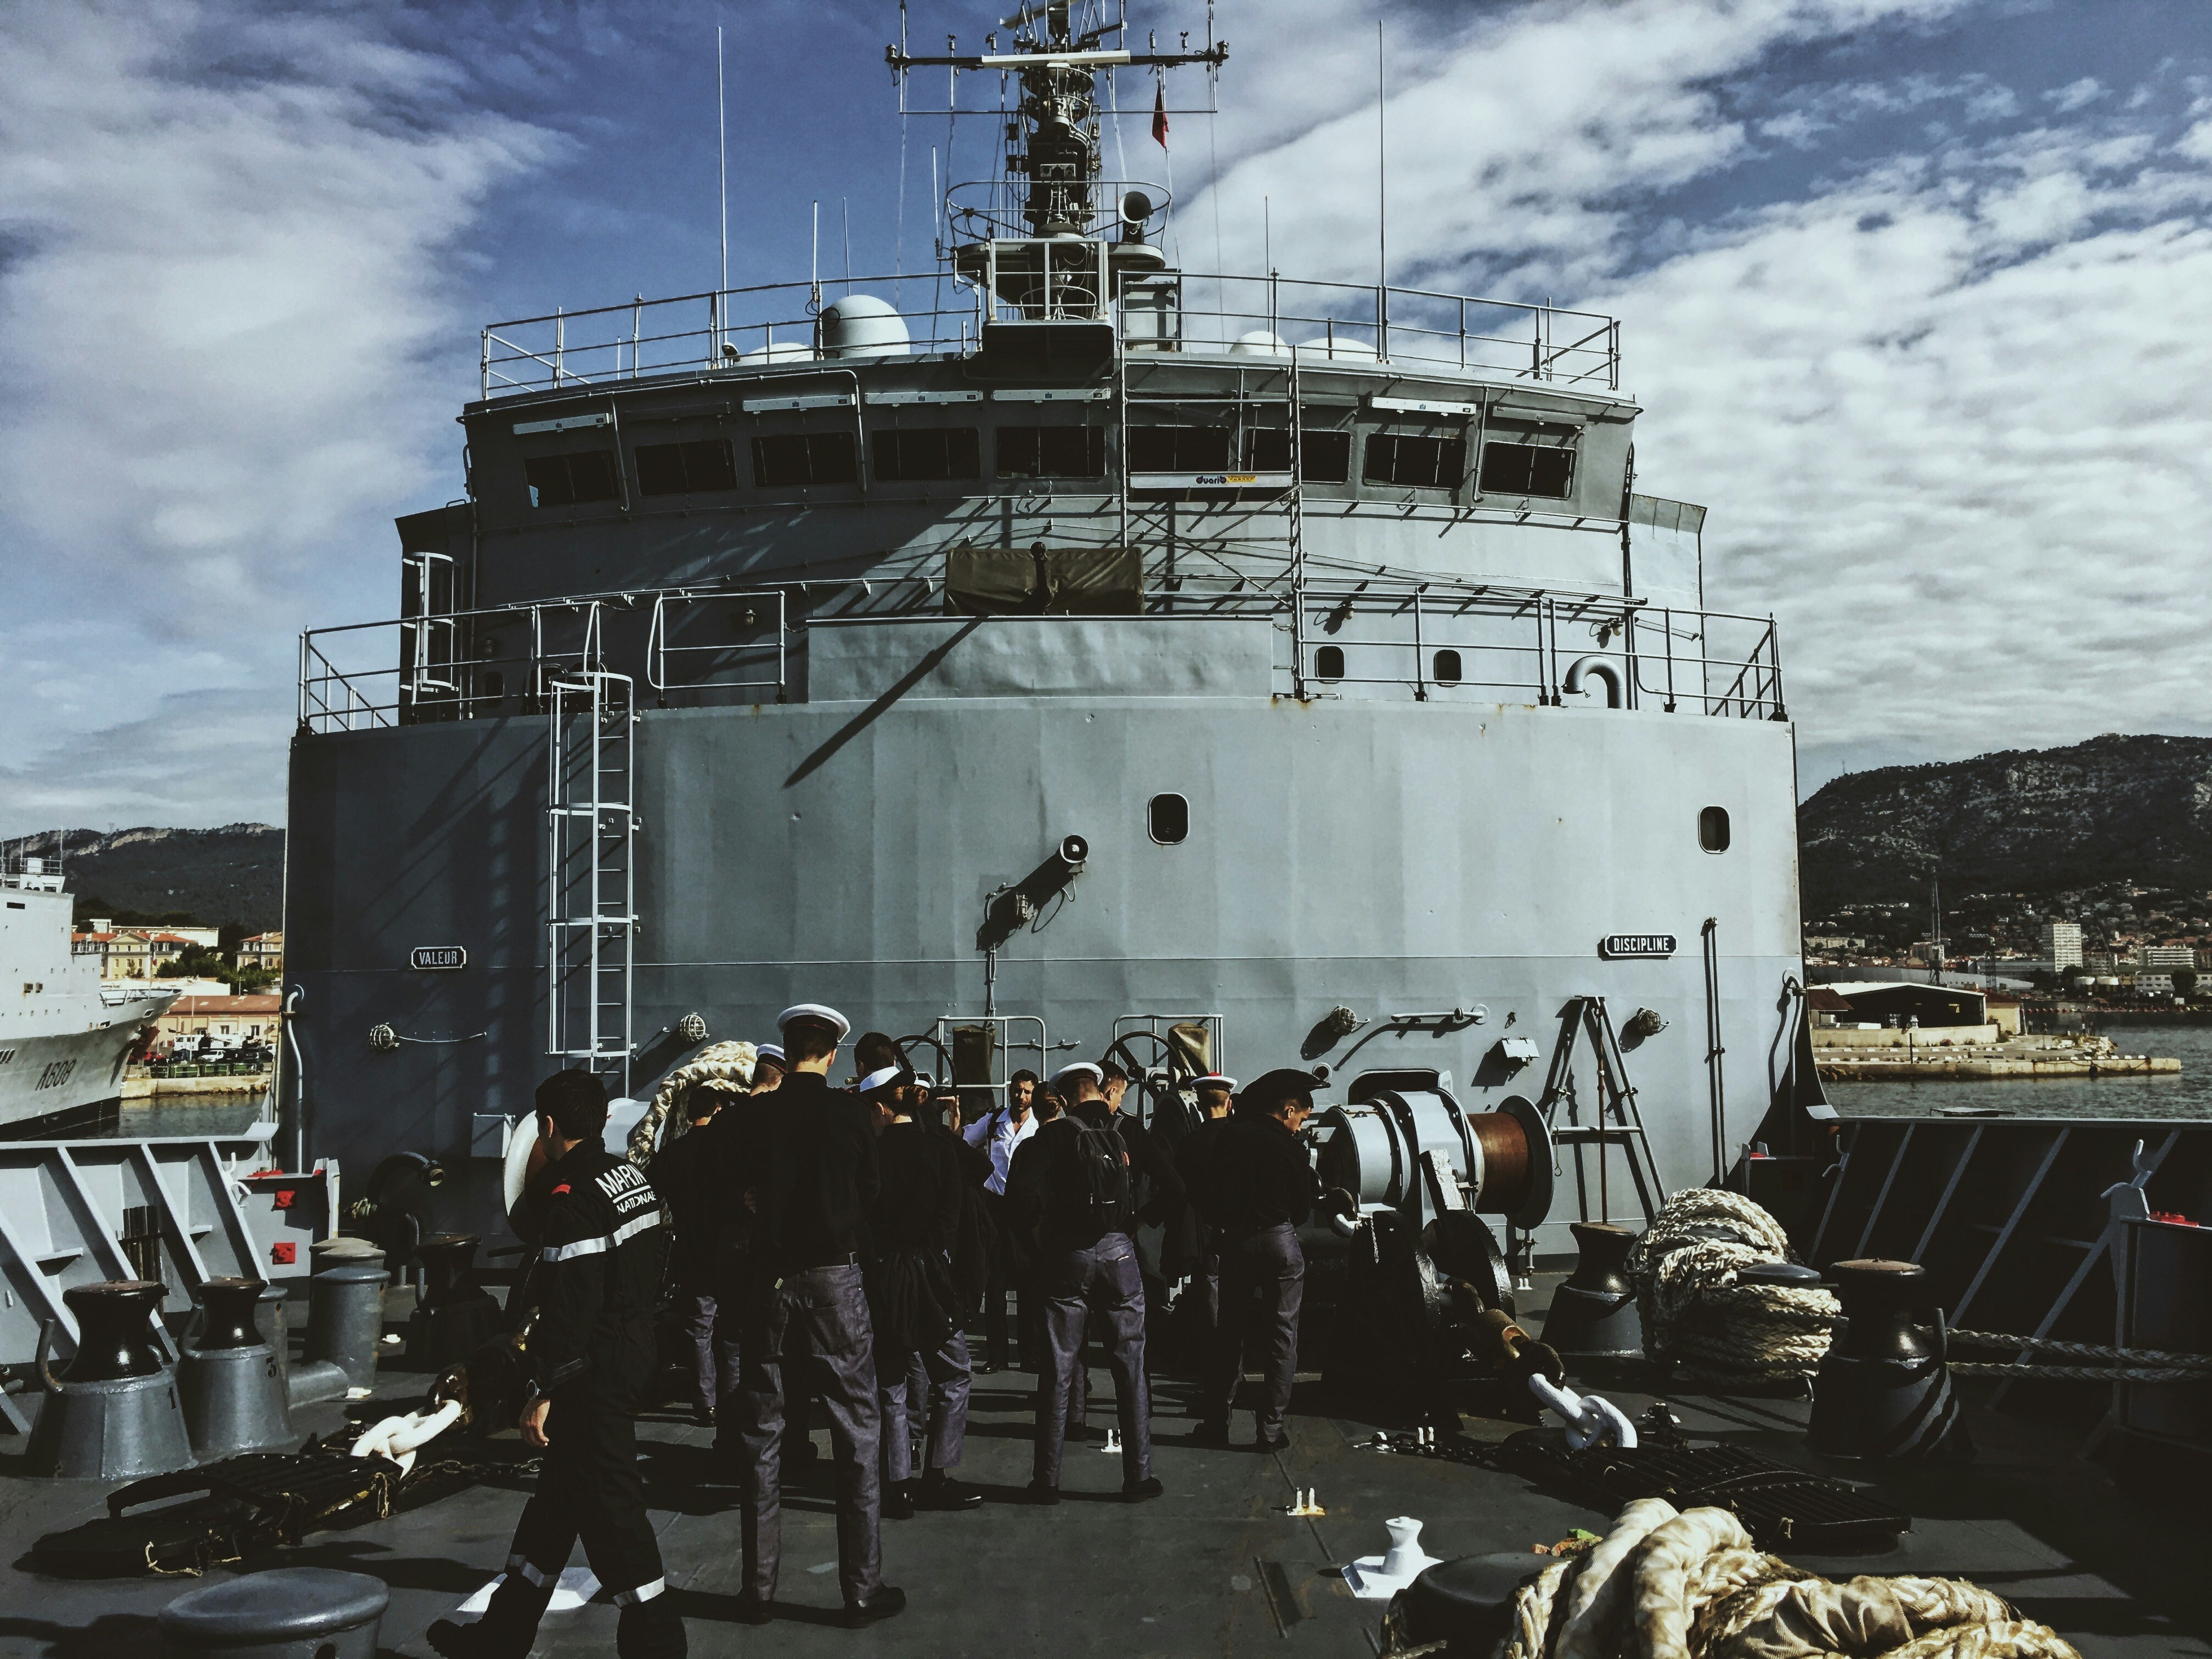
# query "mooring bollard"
(229, 1381)
(1883, 1390)
(1594, 1312)
(112, 1413)
(456, 1314)
(1464, 1605)
(345, 1317)
(291, 1613)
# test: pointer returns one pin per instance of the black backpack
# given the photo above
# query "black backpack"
(1103, 1180)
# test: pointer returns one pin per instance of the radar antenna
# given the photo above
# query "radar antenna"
(1059, 50)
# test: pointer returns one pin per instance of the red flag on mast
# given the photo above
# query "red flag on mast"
(1160, 116)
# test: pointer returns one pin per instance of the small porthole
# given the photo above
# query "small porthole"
(1713, 829)
(1329, 663)
(1446, 668)
(1169, 819)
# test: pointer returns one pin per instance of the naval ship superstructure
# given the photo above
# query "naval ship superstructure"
(1056, 648)
(65, 1036)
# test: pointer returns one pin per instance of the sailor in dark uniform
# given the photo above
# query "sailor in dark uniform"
(921, 1355)
(1072, 1187)
(1197, 1251)
(597, 1282)
(1254, 1185)
(684, 1176)
(806, 1314)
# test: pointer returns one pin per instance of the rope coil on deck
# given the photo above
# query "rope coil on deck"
(722, 1062)
(1668, 1585)
(1696, 1314)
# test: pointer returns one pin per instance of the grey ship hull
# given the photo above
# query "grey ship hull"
(1390, 857)
(70, 1079)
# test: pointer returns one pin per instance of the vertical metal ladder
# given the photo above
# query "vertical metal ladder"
(591, 915)
(1619, 1122)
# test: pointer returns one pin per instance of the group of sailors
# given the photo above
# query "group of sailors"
(830, 1246)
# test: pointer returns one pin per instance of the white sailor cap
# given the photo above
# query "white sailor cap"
(771, 1051)
(1067, 1072)
(926, 1079)
(1215, 1080)
(881, 1078)
(827, 1015)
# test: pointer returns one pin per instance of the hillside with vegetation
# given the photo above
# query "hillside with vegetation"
(232, 877)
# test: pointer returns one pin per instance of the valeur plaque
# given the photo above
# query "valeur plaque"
(438, 958)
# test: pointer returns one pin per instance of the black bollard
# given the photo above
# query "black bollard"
(231, 1385)
(113, 1413)
(457, 1316)
(1594, 1312)
(1464, 1605)
(289, 1612)
(1883, 1391)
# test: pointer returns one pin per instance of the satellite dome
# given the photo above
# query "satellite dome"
(861, 325)
(783, 351)
(1259, 342)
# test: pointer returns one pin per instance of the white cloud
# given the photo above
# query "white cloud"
(197, 757)
(1943, 407)
(2077, 95)
(229, 239)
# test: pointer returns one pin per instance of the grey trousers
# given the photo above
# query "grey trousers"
(814, 1327)
(936, 1385)
(714, 1343)
(1102, 1279)
(1263, 1286)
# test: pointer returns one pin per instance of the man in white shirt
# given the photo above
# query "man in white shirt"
(999, 1132)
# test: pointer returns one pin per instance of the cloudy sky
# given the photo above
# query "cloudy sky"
(1917, 295)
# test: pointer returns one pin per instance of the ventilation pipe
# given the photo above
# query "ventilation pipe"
(1600, 668)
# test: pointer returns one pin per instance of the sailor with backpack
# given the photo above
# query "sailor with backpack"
(1071, 1188)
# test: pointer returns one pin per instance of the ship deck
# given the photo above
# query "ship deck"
(1214, 1567)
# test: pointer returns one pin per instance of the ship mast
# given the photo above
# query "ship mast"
(1054, 139)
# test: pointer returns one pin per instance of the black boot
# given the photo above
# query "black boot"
(940, 1491)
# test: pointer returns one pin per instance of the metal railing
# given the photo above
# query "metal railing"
(773, 323)
(1438, 640)
(362, 675)
(1430, 639)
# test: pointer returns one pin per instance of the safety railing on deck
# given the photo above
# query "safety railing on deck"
(1428, 640)
(1416, 328)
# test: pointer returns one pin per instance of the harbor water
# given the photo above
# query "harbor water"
(2188, 1095)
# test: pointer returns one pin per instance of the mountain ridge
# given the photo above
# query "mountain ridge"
(2115, 808)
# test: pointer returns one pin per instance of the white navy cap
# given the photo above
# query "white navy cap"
(827, 1015)
(926, 1079)
(1215, 1080)
(771, 1051)
(881, 1078)
(1067, 1072)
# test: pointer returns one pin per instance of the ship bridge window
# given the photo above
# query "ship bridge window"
(925, 455)
(1323, 457)
(789, 460)
(1545, 465)
(1415, 458)
(582, 475)
(686, 468)
(1713, 829)
(1169, 819)
(1177, 449)
(1052, 451)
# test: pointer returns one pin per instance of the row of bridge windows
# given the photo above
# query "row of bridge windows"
(952, 454)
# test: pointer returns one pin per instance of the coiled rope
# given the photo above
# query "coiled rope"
(1696, 1314)
(723, 1062)
(1668, 1585)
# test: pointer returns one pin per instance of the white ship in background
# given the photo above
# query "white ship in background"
(64, 1036)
